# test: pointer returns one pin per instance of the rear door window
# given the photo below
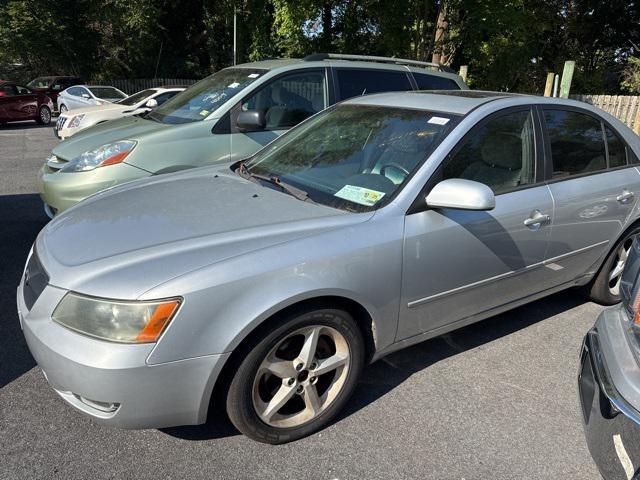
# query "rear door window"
(617, 149)
(577, 143)
(434, 82)
(353, 82)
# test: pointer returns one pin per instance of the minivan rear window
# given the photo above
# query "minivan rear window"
(353, 82)
(434, 82)
(206, 96)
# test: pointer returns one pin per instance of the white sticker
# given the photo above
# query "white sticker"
(204, 112)
(233, 85)
(363, 196)
(438, 120)
(254, 75)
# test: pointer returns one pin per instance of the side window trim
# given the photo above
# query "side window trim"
(235, 110)
(418, 205)
(547, 143)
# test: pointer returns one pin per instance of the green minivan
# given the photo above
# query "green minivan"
(225, 117)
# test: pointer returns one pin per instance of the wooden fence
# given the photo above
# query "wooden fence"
(624, 107)
(130, 86)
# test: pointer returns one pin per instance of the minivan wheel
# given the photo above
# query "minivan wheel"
(44, 116)
(605, 288)
(294, 380)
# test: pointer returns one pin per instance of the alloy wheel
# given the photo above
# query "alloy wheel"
(301, 376)
(615, 274)
(45, 115)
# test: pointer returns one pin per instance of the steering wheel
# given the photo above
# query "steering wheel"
(395, 165)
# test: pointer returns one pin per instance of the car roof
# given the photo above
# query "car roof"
(293, 63)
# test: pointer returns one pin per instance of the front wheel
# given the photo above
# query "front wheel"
(44, 116)
(296, 379)
(605, 287)
(63, 108)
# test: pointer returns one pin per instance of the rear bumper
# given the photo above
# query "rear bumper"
(611, 422)
(113, 383)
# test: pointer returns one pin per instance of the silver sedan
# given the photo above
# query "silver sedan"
(267, 285)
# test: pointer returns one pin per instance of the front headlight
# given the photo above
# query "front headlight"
(109, 154)
(116, 321)
(75, 121)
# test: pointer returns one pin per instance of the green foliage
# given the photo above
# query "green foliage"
(508, 45)
(631, 77)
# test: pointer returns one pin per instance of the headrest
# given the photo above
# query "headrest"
(502, 150)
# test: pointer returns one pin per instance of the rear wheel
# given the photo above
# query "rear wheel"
(295, 380)
(44, 116)
(605, 287)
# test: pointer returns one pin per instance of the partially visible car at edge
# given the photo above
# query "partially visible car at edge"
(609, 375)
(224, 117)
(268, 283)
(81, 96)
(19, 103)
(53, 85)
(70, 123)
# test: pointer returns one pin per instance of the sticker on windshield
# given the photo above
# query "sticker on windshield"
(253, 75)
(233, 85)
(438, 120)
(204, 112)
(361, 195)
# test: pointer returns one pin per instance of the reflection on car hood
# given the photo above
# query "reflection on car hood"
(129, 239)
(108, 132)
(97, 109)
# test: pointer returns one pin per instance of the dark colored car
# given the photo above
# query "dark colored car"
(52, 86)
(609, 379)
(18, 103)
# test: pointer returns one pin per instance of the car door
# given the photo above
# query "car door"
(594, 187)
(8, 101)
(69, 97)
(459, 264)
(285, 101)
(28, 102)
(85, 98)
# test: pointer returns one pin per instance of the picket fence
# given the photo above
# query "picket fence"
(624, 107)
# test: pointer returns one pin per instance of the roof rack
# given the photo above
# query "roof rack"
(367, 58)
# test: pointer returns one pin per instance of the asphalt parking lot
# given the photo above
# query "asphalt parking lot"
(493, 400)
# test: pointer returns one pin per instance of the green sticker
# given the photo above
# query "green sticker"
(363, 196)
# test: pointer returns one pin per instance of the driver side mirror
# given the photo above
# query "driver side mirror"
(251, 121)
(86, 95)
(151, 103)
(461, 194)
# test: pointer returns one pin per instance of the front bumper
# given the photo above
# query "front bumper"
(60, 191)
(113, 383)
(611, 422)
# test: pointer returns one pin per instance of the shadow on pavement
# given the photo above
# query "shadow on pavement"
(384, 375)
(22, 218)
(26, 125)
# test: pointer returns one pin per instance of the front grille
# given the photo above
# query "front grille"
(60, 123)
(35, 279)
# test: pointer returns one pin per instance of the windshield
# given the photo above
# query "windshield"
(107, 92)
(203, 98)
(136, 97)
(40, 82)
(353, 157)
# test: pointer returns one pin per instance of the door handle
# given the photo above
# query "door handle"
(536, 219)
(625, 196)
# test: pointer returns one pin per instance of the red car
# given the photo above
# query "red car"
(18, 103)
(53, 85)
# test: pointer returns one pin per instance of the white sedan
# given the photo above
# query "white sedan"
(70, 123)
(80, 96)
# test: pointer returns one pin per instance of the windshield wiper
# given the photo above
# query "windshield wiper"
(274, 180)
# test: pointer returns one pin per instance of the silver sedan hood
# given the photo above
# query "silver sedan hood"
(122, 242)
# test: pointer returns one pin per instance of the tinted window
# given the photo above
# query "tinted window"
(106, 92)
(617, 150)
(500, 154)
(75, 91)
(356, 82)
(22, 90)
(290, 99)
(434, 82)
(163, 97)
(577, 143)
(8, 90)
(136, 97)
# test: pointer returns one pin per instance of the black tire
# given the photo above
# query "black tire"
(44, 115)
(599, 289)
(240, 404)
